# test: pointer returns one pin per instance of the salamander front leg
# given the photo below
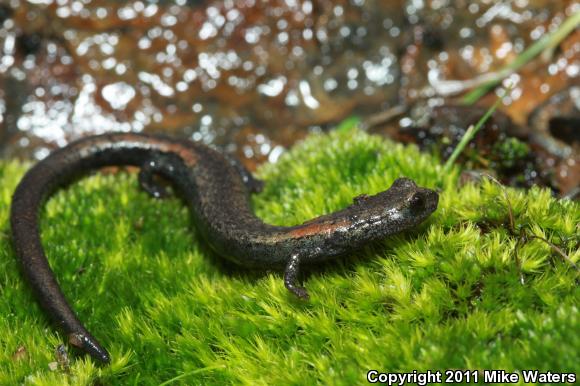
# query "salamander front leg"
(156, 165)
(253, 184)
(291, 274)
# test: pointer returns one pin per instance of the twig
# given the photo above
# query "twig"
(523, 234)
(557, 249)
(512, 226)
(383, 117)
(508, 202)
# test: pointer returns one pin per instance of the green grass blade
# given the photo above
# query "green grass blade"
(471, 132)
(546, 42)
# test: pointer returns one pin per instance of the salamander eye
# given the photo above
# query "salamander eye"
(417, 201)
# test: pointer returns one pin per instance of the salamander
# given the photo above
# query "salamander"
(217, 192)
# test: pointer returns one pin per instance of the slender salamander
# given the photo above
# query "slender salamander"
(217, 191)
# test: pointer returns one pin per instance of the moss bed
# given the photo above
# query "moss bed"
(447, 295)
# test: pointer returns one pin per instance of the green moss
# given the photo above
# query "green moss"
(445, 295)
(509, 152)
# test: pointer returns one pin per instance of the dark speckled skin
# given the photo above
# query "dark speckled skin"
(217, 191)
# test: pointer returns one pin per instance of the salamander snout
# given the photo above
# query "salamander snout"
(423, 200)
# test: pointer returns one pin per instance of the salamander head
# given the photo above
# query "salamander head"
(401, 207)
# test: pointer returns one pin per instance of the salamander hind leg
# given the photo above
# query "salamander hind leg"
(156, 165)
(291, 277)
